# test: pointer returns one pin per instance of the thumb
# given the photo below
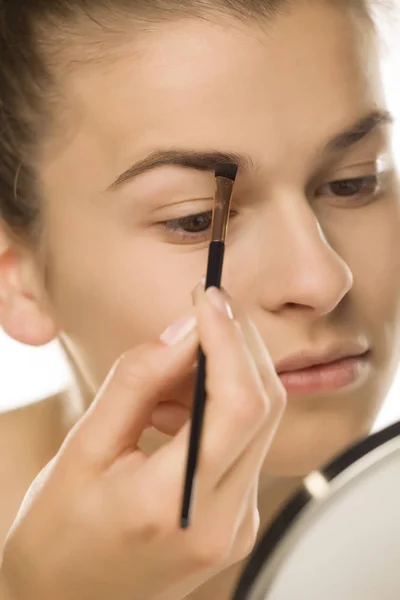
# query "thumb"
(123, 406)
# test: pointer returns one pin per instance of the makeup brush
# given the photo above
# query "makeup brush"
(225, 176)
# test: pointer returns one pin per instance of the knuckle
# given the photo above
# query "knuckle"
(149, 530)
(211, 552)
(147, 524)
(83, 450)
(281, 393)
(274, 388)
(249, 405)
(246, 546)
(208, 459)
(247, 537)
(279, 397)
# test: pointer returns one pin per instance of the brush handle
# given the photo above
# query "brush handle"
(213, 279)
(215, 263)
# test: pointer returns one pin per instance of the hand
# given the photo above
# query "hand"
(101, 520)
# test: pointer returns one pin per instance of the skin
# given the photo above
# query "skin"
(309, 268)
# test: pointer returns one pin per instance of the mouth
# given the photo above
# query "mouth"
(332, 369)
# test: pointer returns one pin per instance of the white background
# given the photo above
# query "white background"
(29, 374)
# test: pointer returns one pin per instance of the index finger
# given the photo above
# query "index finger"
(123, 406)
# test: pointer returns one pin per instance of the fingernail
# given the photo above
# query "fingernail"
(218, 301)
(199, 288)
(227, 294)
(179, 331)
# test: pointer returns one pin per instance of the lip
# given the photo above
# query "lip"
(305, 359)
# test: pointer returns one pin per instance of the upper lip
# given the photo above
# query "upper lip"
(305, 358)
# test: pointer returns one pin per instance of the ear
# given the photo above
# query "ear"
(24, 316)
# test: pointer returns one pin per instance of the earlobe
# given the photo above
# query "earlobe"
(23, 321)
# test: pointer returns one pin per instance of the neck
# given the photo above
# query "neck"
(78, 396)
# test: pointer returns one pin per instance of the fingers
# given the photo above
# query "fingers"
(243, 474)
(246, 470)
(172, 413)
(247, 525)
(256, 345)
(123, 406)
(254, 341)
(169, 417)
(238, 404)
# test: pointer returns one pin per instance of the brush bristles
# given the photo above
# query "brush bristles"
(229, 171)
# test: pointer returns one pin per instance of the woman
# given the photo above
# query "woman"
(113, 119)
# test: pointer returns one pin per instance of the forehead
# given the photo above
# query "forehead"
(248, 87)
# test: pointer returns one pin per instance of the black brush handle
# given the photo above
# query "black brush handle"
(215, 263)
(213, 279)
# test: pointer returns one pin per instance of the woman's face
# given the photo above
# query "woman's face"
(315, 264)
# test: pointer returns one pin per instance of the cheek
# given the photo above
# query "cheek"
(375, 261)
(113, 289)
(372, 251)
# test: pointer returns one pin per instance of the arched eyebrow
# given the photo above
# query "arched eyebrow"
(208, 160)
(358, 131)
(200, 160)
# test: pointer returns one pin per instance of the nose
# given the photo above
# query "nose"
(300, 268)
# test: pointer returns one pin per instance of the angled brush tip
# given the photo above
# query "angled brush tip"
(227, 170)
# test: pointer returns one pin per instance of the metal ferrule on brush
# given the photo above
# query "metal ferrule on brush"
(222, 206)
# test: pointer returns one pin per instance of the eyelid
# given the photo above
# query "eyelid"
(377, 159)
(353, 171)
(191, 205)
(378, 165)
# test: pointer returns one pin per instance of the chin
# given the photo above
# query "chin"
(298, 450)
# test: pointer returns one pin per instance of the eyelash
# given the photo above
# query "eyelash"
(176, 227)
(365, 183)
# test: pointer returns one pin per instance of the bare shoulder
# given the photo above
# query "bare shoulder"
(29, 438)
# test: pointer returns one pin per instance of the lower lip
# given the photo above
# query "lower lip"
(324, 378)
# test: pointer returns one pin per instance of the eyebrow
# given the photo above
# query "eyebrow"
(360, 130)
(191, 159)
(209, 160)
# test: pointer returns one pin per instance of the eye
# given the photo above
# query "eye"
(191, 228)
(358, 188)
(192, 225)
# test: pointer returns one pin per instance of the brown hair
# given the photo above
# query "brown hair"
(33, 33)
